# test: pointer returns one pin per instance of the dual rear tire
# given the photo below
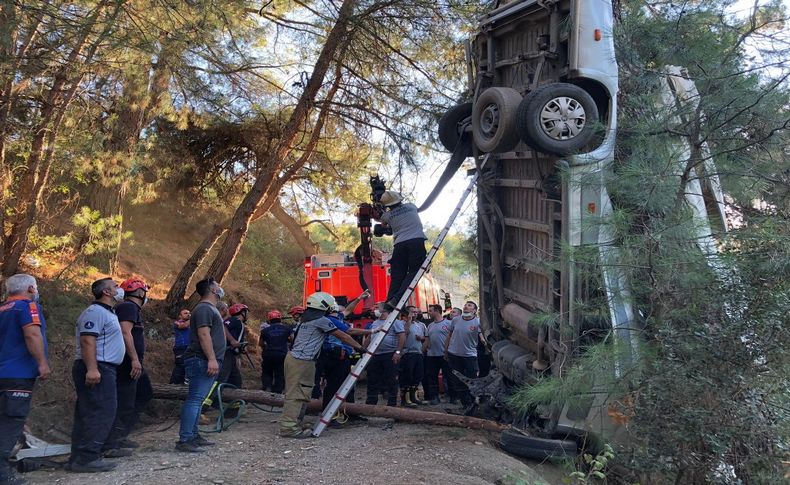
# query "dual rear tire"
(558, 119)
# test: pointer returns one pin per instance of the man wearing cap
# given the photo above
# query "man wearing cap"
(274, 347)
(23, 358)
(300, 362)
(133, 384)
(100, 349)
(409, 242)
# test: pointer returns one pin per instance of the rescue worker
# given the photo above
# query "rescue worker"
(134, 386)
(202, 360)
(340, 312)
(408, 252)
(23, 358)
(335, 355)
(460, 349)
(296, 313)
(224, 311)
(181, 334)
(383, 366)
(100, 350)
(234, 336)
(438, 331)
(274, 343)
(411, 364)
(300, 362)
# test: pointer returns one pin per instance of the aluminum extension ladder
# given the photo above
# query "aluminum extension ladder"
(378, 337)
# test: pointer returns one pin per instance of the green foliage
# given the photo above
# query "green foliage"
(595, 465)
(269, 257)
(707, 389)
(100, 233)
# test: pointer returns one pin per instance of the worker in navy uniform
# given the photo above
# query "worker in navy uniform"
(234, 336)
(274, 342)
(180, 344)
(408, 252)
(100, 350)
(134, 386)
(335, 355)
(309, 337)
(23, 358)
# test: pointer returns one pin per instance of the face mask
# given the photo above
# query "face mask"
(145, 300)
(36, 297)
(377, 313)
(220, 293)
(118, 294)
(466, 314)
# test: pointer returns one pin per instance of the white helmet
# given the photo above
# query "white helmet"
(390, 197)
(321, 301)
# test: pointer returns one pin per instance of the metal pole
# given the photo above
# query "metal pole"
(356, 371)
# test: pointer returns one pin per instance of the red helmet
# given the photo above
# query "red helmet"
(297, 310)
(237, 308)
(133, 284)
(273, 314)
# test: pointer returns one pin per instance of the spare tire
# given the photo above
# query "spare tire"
(494, 120)
(451, 125)
(558, 118)
(537, 448)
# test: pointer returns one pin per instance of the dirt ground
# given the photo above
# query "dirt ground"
(377, 452)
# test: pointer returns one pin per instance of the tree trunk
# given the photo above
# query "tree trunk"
(33, 181)
(272, 161)
(175, 297)
(171, 391)
(141, 101)
(301, 236)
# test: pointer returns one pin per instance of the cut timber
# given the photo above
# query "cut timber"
(168, 391)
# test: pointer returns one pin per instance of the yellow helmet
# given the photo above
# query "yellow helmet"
(321, 301)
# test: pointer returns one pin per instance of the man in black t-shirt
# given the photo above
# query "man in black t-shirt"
(133, 385)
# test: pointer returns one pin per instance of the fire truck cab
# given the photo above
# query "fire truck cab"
(338, 274)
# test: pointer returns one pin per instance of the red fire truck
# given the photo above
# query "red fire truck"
(339, 275)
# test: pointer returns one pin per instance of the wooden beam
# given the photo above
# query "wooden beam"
(171, 391)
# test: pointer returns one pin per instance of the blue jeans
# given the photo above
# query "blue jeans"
(199, 386)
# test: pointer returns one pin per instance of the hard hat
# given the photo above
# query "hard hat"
(297, 310)
(321, 301)
(133, 284)
(273, 314)
(237, 308)
(390, 197)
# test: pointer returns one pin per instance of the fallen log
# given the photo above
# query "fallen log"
(170, 391)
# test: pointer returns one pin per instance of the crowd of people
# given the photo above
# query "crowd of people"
(309, 358)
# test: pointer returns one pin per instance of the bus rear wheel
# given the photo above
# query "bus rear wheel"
(494, 120)
(558, 118)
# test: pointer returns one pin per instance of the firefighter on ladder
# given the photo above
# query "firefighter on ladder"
(408, 237)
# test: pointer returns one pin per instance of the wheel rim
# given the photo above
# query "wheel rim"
(563, 118)
(489, 121)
